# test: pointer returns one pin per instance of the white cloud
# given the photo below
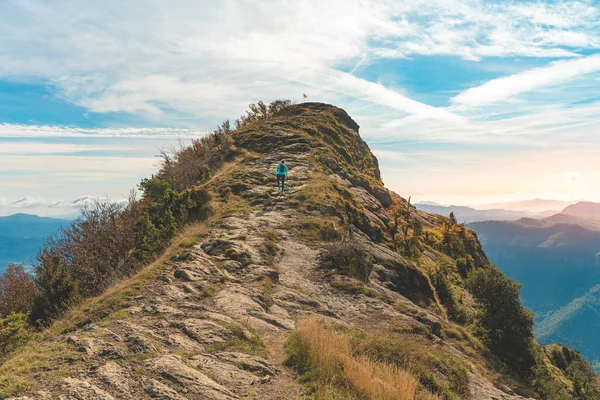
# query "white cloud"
(47, 131)
(214, 57)
(27, 202)
(80, 202)
(507, 87)
(51, 207)
(78, 165)
(373, 93)
(35, 148)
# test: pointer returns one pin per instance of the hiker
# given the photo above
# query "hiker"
(282, 171)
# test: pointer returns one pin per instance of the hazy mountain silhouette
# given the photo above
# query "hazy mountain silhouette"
(534, 205)
(21, 235)
(469, 214)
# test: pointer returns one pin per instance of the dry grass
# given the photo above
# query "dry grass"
(329, 357)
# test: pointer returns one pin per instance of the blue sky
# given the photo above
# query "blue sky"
(462, 101)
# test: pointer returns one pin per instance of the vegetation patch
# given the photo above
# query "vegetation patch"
(347, 259)
(318, 229)
(189, 242)
(243, 340)
(417, 355)
(326, 359)
(352, 288)
(266, 289)
(48, 363)
(11, 385)
(553, 360)
(268, 252)
(14, 333)
(448, 295)
(185, 256)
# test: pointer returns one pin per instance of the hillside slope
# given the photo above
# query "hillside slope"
(575, 324)
(583, 209)
(209, 319)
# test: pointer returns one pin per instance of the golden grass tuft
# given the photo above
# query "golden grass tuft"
(329, 355)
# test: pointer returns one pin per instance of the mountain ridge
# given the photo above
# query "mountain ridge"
(219, 314)
(465, 214)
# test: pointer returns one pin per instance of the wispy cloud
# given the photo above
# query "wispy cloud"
(47, 131)
(40, 148)
(507, 87)
(47, 206)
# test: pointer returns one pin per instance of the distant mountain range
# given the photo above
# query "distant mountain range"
(21, 235)
(533, 206)
(557, 259)
(469, 214)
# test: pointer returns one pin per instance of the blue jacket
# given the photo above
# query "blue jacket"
(285, 171)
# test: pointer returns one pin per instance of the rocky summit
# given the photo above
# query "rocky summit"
(227, 310)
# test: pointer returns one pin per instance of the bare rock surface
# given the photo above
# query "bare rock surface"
(77, 389)
(174, 369)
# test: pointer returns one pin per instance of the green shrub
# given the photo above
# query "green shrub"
(558, 359)
(56, 288)
(505, 325)
(348, 259)
(574, 367)
(448, 297)
(464, 265)
(297, 356)
(14, 332)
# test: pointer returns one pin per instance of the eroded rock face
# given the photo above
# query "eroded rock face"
(76, 389)
(115, 376)
(156, 390)
(140, 344)
(175, 370)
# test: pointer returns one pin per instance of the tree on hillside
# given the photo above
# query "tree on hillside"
(96, 246)
(56, 288)
(405, 229)
(452, 218)
(16, 290)
(505, 325)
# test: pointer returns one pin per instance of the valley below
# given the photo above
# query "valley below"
(557, 261)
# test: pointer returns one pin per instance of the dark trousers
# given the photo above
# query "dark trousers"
(281, 179)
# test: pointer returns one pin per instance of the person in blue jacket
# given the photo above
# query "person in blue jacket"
(282, 171)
